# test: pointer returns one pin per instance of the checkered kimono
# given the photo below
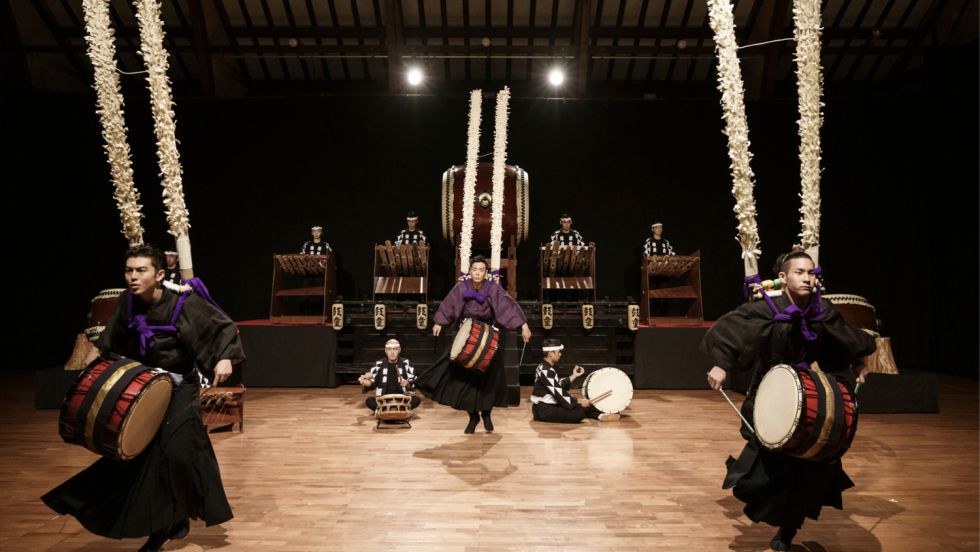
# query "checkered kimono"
(173, 276)
(570, 238)
(550, 389)
(657, 247)
(311, 248)
(383, 369)
(408, 237)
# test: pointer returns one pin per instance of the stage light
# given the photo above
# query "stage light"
(414, 76)
(681, 44)
(556, 77)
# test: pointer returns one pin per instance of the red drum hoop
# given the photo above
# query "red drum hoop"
(805, 413)
(475, 345)
(115, 407)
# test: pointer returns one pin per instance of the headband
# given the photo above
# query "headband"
(568, 219)
(170, 253)
(656, 225)
(317, 228)
(558, 348)
(413, 218)
(394, 345)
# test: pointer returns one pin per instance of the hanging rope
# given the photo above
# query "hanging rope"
(806, 15)
(469, 181)
(499, 168)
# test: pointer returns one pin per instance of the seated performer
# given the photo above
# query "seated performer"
(657, 245)
(176, 478)
(446, 383)
(550, 397)
(391, 376)
(313, 247)
(779, 489)
(567, 236)
(173, 273)
(411, 234)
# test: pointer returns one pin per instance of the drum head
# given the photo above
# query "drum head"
(145, 416)
(461, 336)
(778, 406)
(603, 380)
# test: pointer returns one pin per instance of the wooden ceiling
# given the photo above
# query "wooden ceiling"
(627, 49)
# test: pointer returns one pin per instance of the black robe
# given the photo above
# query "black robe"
(779, 489)
(177, 476)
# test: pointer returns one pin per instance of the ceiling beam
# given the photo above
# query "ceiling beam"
(585, 10)
(201, 48)
(82, 69)
(16, 58)
(776, 26)
(393, 43)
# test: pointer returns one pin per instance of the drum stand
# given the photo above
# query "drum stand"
(384, 424)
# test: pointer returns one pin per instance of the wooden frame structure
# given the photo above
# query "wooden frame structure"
(303, 265)
(401, 269)
(224, 405)
(672, 266)
(509, 264)
(567, 267)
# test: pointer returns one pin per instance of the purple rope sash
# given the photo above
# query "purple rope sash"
(147, 333)
(749, 282)
(813, 313)
(470, 294)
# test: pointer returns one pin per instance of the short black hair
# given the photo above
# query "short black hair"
(566, 216)
(148, 251)
(551, 342)
(411, 214)
(783, 260)
(480, 259)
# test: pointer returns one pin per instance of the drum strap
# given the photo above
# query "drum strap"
(91, 395)
(481, 344)
(109, 403)
(813, 313)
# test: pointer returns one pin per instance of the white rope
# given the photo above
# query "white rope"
(469, 180)
(102, 52)
(499, 168)
(763, 43)
(733, 104)
(810, 85)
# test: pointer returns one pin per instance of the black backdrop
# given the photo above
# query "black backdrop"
(899, 190)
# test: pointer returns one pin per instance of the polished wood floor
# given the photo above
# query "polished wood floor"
(311, 473)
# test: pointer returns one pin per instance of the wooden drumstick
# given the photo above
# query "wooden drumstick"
(600, 397)
(737, 411)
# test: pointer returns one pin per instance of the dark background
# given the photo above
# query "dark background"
(899, 191)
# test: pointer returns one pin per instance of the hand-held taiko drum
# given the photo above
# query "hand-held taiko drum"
(115, 407)
(805, 413)
(103, 305)
(394, 407)
(609, 389)
(474, 345)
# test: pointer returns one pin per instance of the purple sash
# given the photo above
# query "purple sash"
(147, 333)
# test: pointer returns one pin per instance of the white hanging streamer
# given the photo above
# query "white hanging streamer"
(499, 168)
(102, 52)
(806, 14)
(733, 105)
(469, 180)
(161, 102)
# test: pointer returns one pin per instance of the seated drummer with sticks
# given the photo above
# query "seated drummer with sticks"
(173, 271)
(390, 376)
(550, 397)
(567, 236)
(412, 234)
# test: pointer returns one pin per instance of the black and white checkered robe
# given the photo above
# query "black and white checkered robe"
(382, 370)
(311, 248)
(173, 276)
(657, 247)
(408, 237)
(550, 389)
(572, 237)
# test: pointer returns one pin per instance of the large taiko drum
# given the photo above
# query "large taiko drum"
(102, 308)
(856, 311)
(115, 407)
(475, 344)
(609, 389)
(394, 407)
(516, 220)
(805, 413)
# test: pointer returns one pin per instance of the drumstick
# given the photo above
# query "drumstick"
(737, 411)
(600, 397)
(856, 387)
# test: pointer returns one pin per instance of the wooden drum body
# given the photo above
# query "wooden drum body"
(805, 413)
(516, 220)
(609, 389)
(475, 345)
(115, 407)
(102, 308)
(394, 407)
(856, 311)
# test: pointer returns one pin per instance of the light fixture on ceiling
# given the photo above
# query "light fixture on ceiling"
(556, 77)
(414, 76)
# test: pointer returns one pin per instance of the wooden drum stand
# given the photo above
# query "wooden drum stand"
(304, 265)
(672, 265)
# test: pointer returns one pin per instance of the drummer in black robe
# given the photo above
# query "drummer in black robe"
(779, 489)
(176, 478)
(470, 390)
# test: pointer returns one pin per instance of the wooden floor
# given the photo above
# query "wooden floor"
(311, 473)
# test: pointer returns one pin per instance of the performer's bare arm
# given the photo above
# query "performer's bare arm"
(577, 372)
(222, 371)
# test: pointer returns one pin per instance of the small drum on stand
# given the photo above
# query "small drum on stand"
(475, 344)
(394, 409)
(805, 413)
(115, 407)
(856, 311)
(608, 389)
(102, 308)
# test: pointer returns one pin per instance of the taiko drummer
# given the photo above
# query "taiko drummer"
(176, 478)
(551, 398)
(798, 329)
(483, 301)
(391, 375)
